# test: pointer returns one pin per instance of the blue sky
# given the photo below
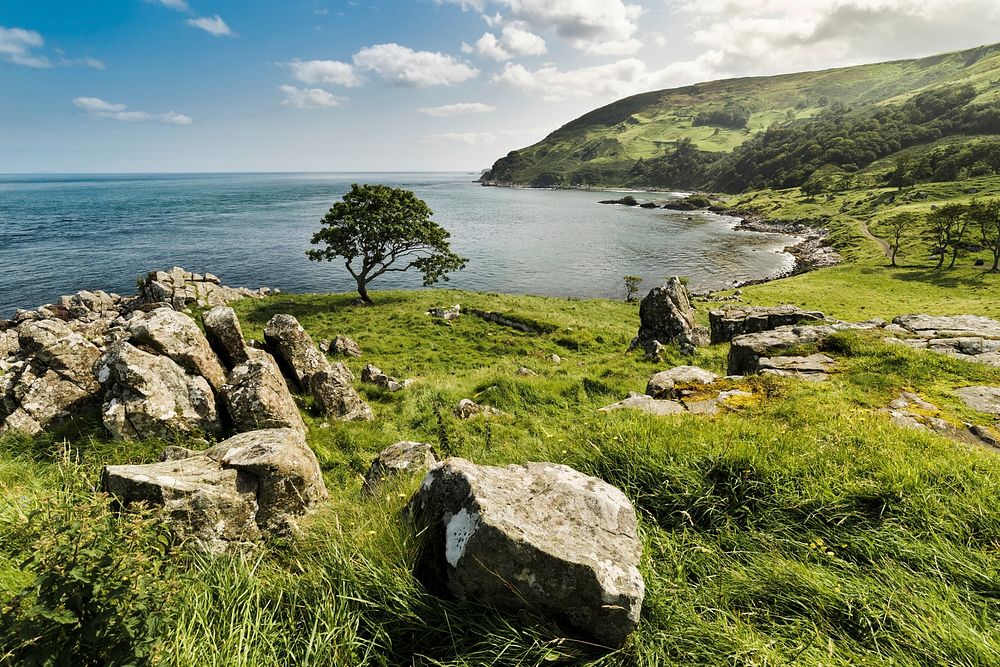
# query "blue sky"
(325, 85)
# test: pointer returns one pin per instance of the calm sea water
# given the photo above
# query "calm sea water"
(62, 233)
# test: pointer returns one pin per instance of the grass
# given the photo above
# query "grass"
(803, 528)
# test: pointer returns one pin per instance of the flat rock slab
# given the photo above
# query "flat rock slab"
(647, 404)
(539, 535)
(726, 324)
(981, 399)
(815, 367)
(932, 326)
(679, 381)
(745, 352)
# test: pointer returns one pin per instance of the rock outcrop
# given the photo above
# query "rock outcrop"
(181, 289)
(291, 345)
(334, 395)
(679, 382)
(981, 399)
(225, 335)
(175, 335)
(969, 337)
(910, 411)
(345, 347)
(467, 409)
(814, 367)
(539, 535)
(746, 351)
(254, 483)
(403, 458)
(257, 397)
(151, 396)
(373, 375)
(666, 316)
(647, 404)
(726, 324)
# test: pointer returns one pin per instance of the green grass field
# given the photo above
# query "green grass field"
(802, 528)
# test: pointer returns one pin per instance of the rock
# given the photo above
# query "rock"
(334, 395)
(288, 476)
(555, 358)
(345, 346)
(467, 409)
(627, 200)
(373, 375)
(175, 335)
(981, 399)
(968, 337)
(680, 381)
(524, 371)
(726, 324)
(225, 335)
(647, 404)
(54, 384)
(746, 351)
(180, 289)
(666, 316)
(909, 411)
(452, 313)
(294, 348)
(540, 535)
(929, 326)
(257, 396)
(403, 458)
(149, 396)
(253, 482)
(655, 352)
(815, 367)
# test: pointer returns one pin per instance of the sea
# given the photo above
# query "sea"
(60, 233)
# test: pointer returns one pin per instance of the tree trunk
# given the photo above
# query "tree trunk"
(363, 290)
(954, 256)
(894, 251)
(996, 261)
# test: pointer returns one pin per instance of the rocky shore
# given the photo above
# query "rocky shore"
(812, 250)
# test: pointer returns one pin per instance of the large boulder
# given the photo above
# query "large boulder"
(726, 324)
(54, 384)
(150, 396)
(541, 536)
(181, 289)
(403, 458)
(255, 482)
(257, 397)
(334, 394)
(292, 346)
(177, 336)
(225, 336)
(666, 316)
(746, 351)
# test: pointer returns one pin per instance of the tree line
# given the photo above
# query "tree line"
(950, 230)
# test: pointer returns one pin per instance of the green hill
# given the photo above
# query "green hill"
(776, 131)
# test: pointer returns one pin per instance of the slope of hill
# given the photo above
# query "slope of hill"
(698, 136)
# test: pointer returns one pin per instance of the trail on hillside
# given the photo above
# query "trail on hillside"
(886, 248)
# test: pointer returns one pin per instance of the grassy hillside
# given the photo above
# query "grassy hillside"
(802, 528)
(634, 141)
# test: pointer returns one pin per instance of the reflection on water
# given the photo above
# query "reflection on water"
(59, 234)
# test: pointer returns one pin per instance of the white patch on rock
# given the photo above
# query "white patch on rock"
(458, 531)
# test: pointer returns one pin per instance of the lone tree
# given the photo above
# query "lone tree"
(377, 229)
(899, 227)
(631, 288)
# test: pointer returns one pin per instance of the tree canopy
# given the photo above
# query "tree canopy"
(377, 229)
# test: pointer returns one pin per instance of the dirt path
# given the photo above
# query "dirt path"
(886, 248)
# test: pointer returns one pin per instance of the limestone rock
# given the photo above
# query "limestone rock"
(539, 535)
(227, 495)
(334, 394)
(447, 314)
(746, 351)
(647, 404)
(679, 381)
(666, 316)
(373, 375)
(403, 458)
(180, 289)
(467, 409)
(981, 399)
(726, 324)
(257, 396)
(930, 326)
(291, 345)
(149, 396)
(526, 372)
(175, 335)
(346, 347)
(909, 411)
(815, 367)
(225, 335)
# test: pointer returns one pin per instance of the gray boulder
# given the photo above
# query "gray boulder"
(815, 367)
(726, 324)
(224, 334)
(746, 351)
(180, 289)
(467, 409)
(541, 535)
(149, 396)
(403, 458)
(666, 316)
(346, 347)
(981, 399)
(334, 395)
(932, 326)
(291, 345)
(177, 336)
(679, 382)
(647, 404)
(373, 375)
(257, 397)
(261, 481)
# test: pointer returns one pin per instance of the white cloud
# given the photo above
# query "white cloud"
(178, 5)
(98, 108)
(309, 98)
(403, 66)
(458, 109)
(613, 80)
(213, 25)
(20, 47)
(326, 71)
(477, 138)
(514, 41)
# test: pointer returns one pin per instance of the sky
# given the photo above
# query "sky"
(410, 85)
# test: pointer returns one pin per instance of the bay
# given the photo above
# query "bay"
(63, 233)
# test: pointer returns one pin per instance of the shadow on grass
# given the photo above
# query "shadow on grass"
(941, 277)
